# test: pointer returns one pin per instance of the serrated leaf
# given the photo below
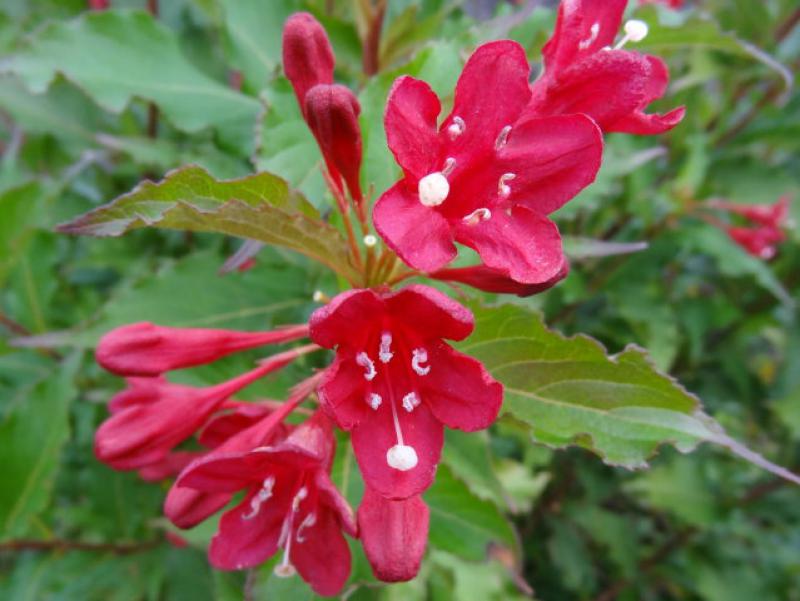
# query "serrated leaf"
(259, 207)
(140, 59)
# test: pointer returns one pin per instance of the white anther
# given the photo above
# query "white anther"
(308, 522)
(478, 215)
(502, 137)
(635, 31)
(594, 30)
(502, 187)
(410, 401)
(456, 128)
(385, 353)
(449, 165)
(319, 296)
(433, 189)
(419, 356)
(260, 497)
(374, 400)
(402, 457)
(364, 361)
(298, 498)
(370, 240)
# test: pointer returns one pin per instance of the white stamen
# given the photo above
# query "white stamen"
(635, 31)
(385, 353)
(259, 498)
(456, 128)
(299, 497)
(370, 240)
(410, 401)
(374, 400)
(449, 165)
(308, 522)
(420, 355)
(402, 457)
(502, 137)
(433, 189)
(478, 215)
(285, 569)
(594, 30)
(502, 187)
(319, 296)
(364, 361)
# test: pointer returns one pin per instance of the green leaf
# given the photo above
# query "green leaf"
(259, 207)
(140, 59)
(33, 434)
(467, 454)
(19, 208)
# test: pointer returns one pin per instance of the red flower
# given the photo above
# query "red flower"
(145, 349)
(584, 74)
(153, 416)
(290, 503)
(489, 280)
(394, 535)
(480, 179)
(395, 383)
(760, 239)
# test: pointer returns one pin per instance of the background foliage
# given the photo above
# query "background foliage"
(90, 104)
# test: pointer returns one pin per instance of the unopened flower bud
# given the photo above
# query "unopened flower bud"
(307, 55)
(332, 115)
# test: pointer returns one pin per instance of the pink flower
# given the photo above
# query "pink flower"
(395, 383)
(482, 179)
(145, 349)
(154, 416)
(394, 535)
(489, 280)
(583, 73)
(290, 503)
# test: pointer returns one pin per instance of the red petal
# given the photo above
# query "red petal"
(419, 234)
(525, 245)
(348, 317)
(323, 556)
(170, 466)
(394, 534)
(307, 54)
(489, 280)
(330, 496)
(490, 94)
(459, 390)
(186, 507)
(410, 121)
(434, 314)
(222, 426)
(376, 435)
(343, 390)
(145, 349)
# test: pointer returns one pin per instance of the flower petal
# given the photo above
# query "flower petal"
(394, 535)
(459, 390)
(322, 556)
(186, 507)
(330, 496)
(489, 280)
(374, 436)
(419, 234)
(410, 121)
(525, 245)
(348, 317)
(431, 312)
(342, 392)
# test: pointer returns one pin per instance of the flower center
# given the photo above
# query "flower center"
(434, 188)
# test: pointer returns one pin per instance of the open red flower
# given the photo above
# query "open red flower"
(584, 72)
(290, 503)
(480, 179)
(395, 383)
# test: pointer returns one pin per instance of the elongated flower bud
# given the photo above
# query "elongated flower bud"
(332, 114)
(307, 55)
(145, 349)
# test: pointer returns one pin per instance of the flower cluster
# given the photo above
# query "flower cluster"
(487, 176)
(765, 225)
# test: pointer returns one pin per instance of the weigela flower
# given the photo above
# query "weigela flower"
(766, 231)
(290, 503)
(482, 179)
(394, 534)
(583, 73)
(759, 241)
(395, 383)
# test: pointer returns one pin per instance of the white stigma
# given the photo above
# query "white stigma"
(374, 400)
(402, 457)
(370, 240)
(502, 137)
(364, 361)
(433, 189)
(410, 401)
(420, 356)
(260, 498)
(502, 187)
(385, 353)
(308, 522)
(635, 31)
(594, 30)
(478, 215)
(456, 128)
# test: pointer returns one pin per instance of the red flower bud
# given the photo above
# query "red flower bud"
(394, 535)
(332, 114)
(307, 54)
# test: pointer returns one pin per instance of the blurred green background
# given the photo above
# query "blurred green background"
(91, 104)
